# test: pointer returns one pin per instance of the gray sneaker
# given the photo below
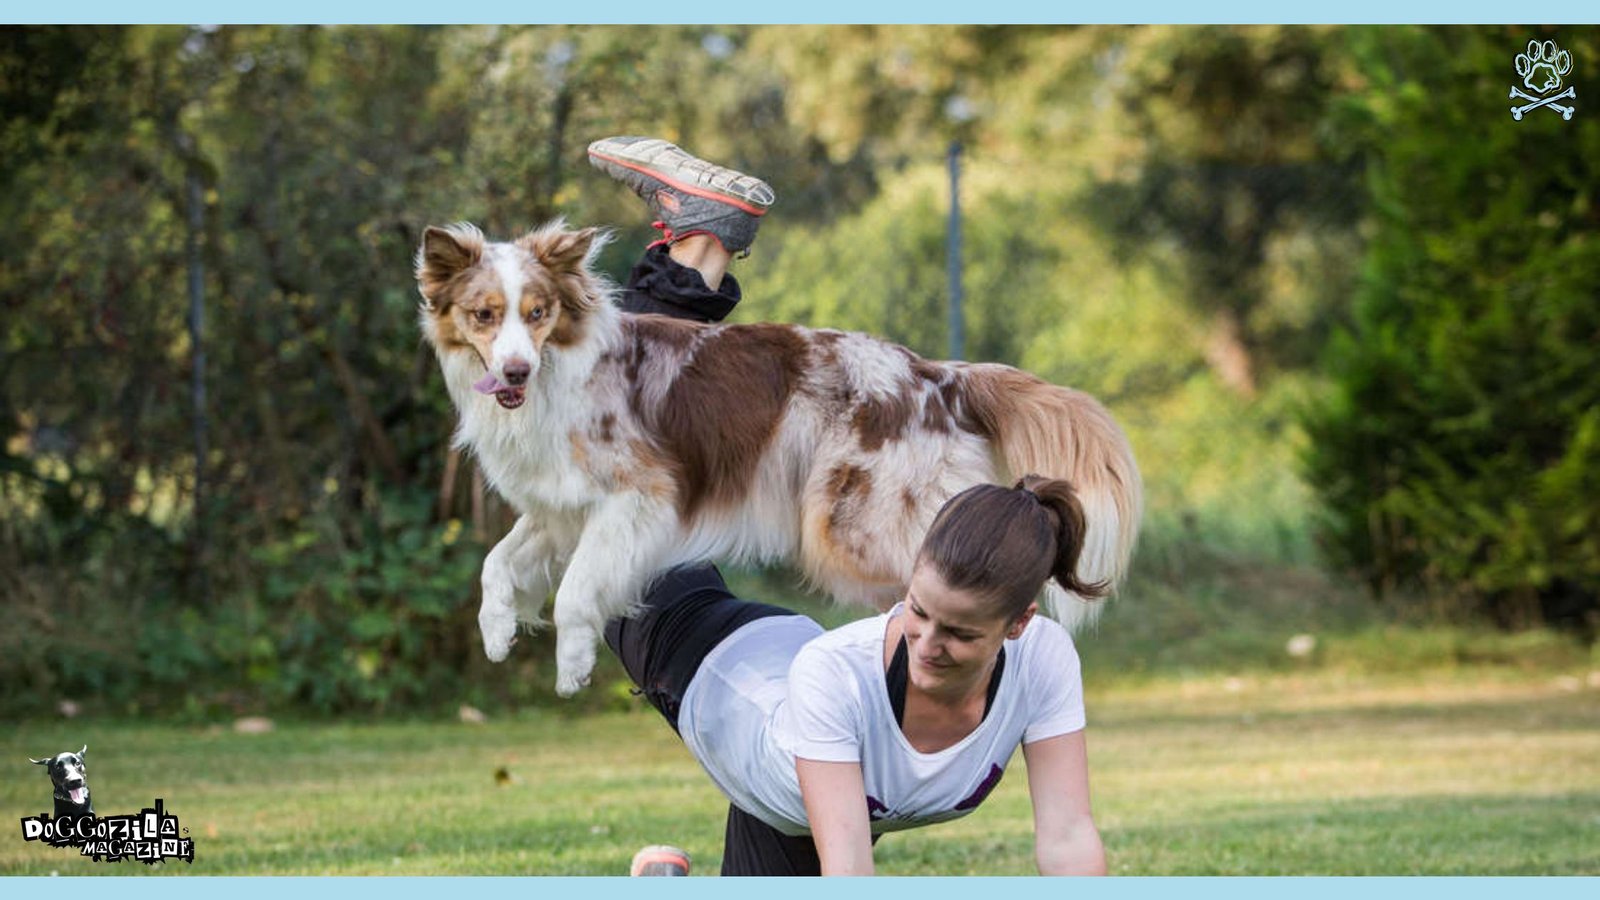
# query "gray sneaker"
(660, 859)
(688, 195)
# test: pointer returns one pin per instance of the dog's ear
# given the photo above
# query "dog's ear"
(40, 762)
(444, 254)
(84, 750)
(560, 250)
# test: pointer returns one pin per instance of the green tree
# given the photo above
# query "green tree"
(1236, 167)
(1459, 447)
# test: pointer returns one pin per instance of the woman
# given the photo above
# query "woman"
(823, 741)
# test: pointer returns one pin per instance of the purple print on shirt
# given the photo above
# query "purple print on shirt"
(875, 808)
(987, 785)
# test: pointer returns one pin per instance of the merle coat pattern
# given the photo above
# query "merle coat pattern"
(630, 444)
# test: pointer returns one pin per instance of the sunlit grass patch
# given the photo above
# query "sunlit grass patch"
(1466, 771)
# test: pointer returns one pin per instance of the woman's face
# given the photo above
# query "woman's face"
(952, 636)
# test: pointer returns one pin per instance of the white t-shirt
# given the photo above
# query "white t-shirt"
(780, 687)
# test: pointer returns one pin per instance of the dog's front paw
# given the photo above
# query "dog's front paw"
(497, 614)
(499, 629)
(570, 685)
(574, 660)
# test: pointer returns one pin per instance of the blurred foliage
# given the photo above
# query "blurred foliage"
(1174, 219)
(1458, 446)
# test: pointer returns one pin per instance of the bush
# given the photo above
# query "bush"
(1459, 448)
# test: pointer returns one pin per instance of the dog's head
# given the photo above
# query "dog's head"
(506, 302)
(69, 775)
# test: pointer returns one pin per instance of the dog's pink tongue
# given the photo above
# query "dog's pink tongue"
(489, 384)
(77, 794)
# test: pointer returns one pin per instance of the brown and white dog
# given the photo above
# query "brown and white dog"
(630, 444)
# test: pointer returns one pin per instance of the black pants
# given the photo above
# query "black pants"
(689, 610)
(660, 285)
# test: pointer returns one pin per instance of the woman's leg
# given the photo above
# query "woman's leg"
(706, 256)
(686, 613)
(662, 285)
(706, 214)
(752, 847)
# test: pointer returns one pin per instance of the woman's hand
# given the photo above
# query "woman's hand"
(1066, 841)
(836, 806)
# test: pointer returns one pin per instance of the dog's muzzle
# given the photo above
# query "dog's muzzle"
(506, 395)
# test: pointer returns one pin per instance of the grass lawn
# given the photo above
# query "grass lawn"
(1472, 770)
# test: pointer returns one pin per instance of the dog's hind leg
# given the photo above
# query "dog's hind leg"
(625, 539)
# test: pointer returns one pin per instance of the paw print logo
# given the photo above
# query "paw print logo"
(1541, 66)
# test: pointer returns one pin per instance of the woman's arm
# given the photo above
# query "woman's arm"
(836, 806)
(1066, 841)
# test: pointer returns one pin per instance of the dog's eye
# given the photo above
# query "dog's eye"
(484, 316)
(536, 314)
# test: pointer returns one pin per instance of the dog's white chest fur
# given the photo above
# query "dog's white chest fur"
(527, 453)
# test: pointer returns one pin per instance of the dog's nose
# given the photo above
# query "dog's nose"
(516, 372)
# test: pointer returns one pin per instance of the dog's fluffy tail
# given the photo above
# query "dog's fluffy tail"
(1042, 429)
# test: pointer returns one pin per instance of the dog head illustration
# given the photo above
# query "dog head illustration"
(70, 777)
(505, 302)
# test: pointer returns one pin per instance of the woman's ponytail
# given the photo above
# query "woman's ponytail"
(1004, 543)
(1060, 502)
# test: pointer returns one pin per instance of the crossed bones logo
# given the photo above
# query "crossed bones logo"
(1541, 67)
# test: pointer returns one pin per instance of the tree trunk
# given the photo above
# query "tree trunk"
(480, 515)
(447, 484)
(1228, 356)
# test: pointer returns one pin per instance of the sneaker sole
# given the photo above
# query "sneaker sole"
(660, 860)
(741, 202)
